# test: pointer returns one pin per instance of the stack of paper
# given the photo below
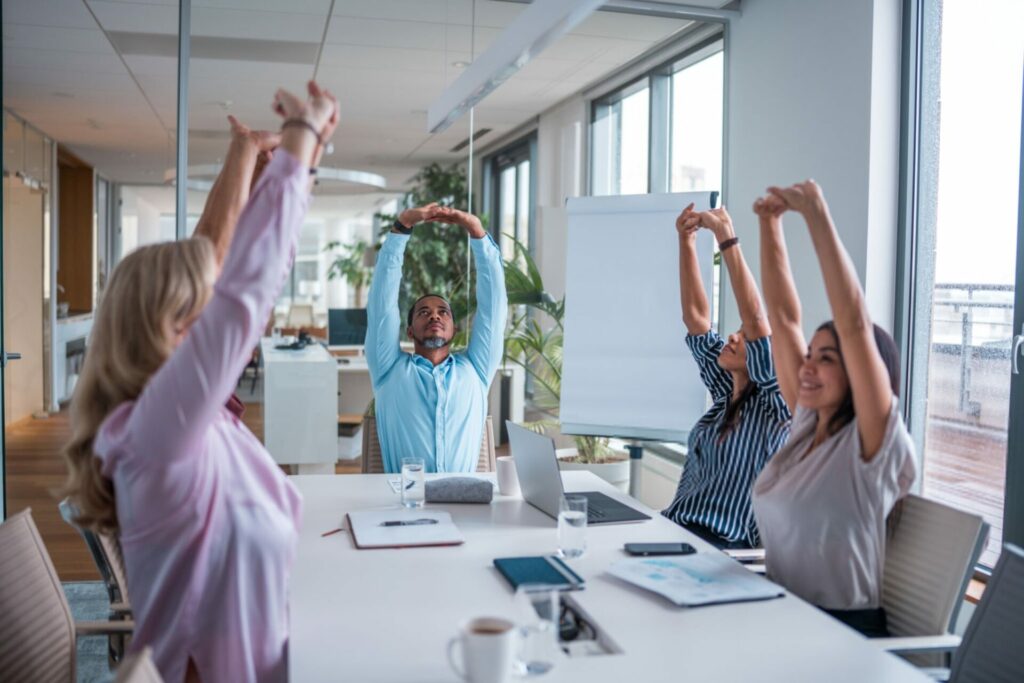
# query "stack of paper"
(700, 579)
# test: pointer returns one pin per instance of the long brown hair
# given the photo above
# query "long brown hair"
(151, 292)
(890, 354)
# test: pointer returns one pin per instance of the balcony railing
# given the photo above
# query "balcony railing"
(968, 401)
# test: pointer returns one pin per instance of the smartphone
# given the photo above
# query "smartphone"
(660, 549)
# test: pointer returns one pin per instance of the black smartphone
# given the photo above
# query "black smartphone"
(660, 549)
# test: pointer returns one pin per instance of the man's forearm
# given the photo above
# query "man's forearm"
(228, 196)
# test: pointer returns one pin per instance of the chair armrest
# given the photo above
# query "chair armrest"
(121, 607)
(756, 568)
(102, 628)
(918, 644)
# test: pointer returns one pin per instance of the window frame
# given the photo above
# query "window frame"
(659, 83)
(510, 156)
(913, 316)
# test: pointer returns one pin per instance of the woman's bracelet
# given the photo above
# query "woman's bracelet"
(303, 123)
(731, 242)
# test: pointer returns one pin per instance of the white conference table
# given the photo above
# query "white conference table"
(387, 615)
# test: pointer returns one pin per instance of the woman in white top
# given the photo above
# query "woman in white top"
(821, 502)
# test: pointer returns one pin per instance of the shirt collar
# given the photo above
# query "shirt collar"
(430, 366)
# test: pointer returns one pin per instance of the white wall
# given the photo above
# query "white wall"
(561, 173)
(814, 93)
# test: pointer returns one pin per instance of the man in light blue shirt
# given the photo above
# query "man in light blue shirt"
(432, 403)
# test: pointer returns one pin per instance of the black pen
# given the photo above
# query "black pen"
(410, 522)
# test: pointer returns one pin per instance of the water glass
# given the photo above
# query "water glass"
(572, 526)
(412, 482)
(540, 605)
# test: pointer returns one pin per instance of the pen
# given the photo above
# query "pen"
(411, 522)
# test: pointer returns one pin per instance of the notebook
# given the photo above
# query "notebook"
(699, 579)
(401, 528)
(544, 569)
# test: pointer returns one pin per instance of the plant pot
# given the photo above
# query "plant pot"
(615, 472)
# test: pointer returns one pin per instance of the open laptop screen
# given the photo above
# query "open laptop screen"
(346, 327)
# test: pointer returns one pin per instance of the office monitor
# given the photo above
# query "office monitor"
(346, 328)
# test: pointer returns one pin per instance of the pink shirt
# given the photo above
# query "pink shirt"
(209, 523)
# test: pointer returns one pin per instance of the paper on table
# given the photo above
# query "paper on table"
(700, 579)
(367, 531)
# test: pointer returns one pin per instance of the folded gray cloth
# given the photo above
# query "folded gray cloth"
(458, 490)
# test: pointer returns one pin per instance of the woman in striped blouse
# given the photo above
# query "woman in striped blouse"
(748, 420)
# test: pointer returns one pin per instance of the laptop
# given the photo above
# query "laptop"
(346, 328)
(541, 481)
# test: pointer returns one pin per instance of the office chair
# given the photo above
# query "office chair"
(929, 560)
(37, 630)
(373, 462)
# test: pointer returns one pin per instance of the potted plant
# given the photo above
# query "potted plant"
(351, 266)
(539, 352)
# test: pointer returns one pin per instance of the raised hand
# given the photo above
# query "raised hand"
(419, 214)
(319, 110)
(688, 222)
(769, 207)
(464, 219)
(719, 222)
(265, 141)
(804, 198)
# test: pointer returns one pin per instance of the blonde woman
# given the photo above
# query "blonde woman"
(206, 520)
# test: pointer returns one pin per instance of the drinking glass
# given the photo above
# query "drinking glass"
(412, 482)
(572, 526)
(540, 605)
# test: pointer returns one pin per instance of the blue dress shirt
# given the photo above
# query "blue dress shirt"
(436, 413)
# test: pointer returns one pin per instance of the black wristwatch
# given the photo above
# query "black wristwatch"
(400, 227)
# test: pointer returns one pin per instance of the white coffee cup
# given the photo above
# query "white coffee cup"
(508, 480)
(488, 647)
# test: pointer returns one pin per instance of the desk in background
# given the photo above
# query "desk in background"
(387, 615)
(300, 425)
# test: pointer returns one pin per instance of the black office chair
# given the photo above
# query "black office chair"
(992, 650)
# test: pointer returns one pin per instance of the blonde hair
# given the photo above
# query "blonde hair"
(150, 294)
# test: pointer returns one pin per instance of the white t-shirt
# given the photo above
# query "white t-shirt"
(822, 515)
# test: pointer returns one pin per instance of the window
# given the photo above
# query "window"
(620, 142)
(510, 193)
(697, 92)
(960, 262)
(663, 132)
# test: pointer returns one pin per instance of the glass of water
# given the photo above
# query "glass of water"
(572, 526)
(412, 482)
(539, 606)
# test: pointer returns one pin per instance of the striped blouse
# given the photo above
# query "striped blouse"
(714, 488)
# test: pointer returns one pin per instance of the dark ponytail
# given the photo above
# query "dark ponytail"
(732, 410)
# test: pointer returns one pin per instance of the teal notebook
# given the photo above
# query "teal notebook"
(544, 569)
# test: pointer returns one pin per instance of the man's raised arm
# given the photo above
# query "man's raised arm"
(487, 340)
(383, 318)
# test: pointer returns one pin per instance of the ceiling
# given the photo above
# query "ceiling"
(100, 75)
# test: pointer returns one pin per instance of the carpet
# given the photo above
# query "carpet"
(88, 601)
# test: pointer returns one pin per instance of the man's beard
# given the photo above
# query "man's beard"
(434, 342)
